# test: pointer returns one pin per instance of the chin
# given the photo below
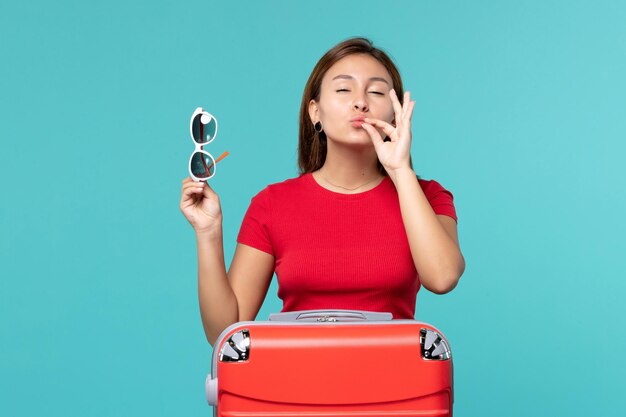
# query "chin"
(365, 142)
(360, 137)
(354, 137)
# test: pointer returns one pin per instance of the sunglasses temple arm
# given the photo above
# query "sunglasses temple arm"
(222, 156)
(207, 168)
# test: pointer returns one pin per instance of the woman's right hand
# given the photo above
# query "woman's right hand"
(200, 205)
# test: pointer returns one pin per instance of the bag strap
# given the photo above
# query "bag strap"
(331, 316)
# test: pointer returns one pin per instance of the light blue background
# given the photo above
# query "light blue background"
(521, 113)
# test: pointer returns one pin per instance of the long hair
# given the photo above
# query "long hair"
(311, 144)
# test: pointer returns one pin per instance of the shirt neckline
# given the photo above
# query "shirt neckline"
(320, 190)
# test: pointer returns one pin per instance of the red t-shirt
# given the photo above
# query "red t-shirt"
(339, 251)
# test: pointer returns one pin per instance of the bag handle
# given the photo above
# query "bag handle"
(331, 316)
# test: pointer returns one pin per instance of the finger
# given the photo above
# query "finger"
(386, 127)
(397, 107)
(195, 185)
(207, 191)
(198, 183)
(189, 196)
(409, 112)
(192, 183)
(406, 102)
(374, 135)
(189, 190)
(189, 182)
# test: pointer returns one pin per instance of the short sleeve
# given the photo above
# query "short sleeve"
(255, 227)
(440, 199)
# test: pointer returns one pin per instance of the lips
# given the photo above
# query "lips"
(357, 121)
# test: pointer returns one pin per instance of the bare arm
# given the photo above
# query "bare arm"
(250, 276)
(432, 238)
(218, 303)
(224, 298)
(237, 296)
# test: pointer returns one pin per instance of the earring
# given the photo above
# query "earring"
(318, 127)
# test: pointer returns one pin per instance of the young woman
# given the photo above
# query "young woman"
(356, 230)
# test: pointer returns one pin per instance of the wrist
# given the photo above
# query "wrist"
(401, 172)
(211, 232)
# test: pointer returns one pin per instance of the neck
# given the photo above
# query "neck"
(350, 168)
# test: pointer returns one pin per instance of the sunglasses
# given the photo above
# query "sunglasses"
(203, 128)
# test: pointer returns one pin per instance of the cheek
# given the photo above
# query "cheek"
(387, 114)
(331, 112)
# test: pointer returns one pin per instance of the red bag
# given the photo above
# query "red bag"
(331, 363)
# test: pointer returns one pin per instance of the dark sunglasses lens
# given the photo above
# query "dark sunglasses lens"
(202, 165)
(204, 128)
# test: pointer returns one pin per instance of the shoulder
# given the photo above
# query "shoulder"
(432, 187)
(290, 184)
(440, 199)
(286, 189)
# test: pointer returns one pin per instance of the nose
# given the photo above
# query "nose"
(360, 103)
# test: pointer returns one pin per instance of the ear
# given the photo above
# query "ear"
(313, 111)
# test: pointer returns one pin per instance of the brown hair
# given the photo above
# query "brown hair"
(311, 144)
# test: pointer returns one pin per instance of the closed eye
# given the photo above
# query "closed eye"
(342, 89)
(377, 92)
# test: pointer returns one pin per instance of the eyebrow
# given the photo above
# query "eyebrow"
(350, 77)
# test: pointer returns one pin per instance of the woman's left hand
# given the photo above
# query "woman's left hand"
(394, 154)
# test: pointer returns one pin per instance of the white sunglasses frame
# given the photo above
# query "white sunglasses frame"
(199, 146)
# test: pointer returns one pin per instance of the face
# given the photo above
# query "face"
(354, 87)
